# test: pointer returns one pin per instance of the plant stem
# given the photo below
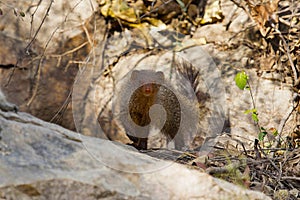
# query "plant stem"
(253, 103)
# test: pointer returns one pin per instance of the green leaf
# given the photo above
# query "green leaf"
(274, 131)
(250, 111)
(254, 114)
(241, 80)
(255, 117)
(22, 14)
(262, 135)
(247, 111)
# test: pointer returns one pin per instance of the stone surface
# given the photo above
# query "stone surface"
(273, 99)
(44, 161)
(51, 20)
(37, 57)
(51, 101)
(40, 160)
(102, 95)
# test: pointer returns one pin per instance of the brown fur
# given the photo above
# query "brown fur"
(150, 92)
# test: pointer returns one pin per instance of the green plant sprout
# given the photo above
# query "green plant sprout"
(241, 80)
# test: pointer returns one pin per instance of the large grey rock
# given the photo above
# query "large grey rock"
(40, 160)
(202, 117)
(273, 98)
(44, 20)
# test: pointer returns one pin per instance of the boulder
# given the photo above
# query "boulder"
(40, 160)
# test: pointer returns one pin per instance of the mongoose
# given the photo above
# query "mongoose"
(5, 105)
(146, 89)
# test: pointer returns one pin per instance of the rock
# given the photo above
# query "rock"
(40, 160)
(37, 78)
(273, 98)
(102, 96)
(213, 33)
(55, 20)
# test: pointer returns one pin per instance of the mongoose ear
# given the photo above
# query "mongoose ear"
(160, 76)
(134, 74)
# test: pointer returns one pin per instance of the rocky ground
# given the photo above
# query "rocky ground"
(55, 56)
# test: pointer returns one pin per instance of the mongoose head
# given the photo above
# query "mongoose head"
(148, 81)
